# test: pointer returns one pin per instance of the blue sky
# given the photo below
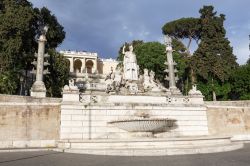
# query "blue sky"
(102, 26)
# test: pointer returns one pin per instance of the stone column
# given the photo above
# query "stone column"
(71, 69)
(95, 66)
(83, 70)
(38, 89)
(171, 66)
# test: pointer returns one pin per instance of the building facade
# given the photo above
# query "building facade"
(84, 64)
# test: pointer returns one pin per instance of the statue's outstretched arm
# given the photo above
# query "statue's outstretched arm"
(123, 49)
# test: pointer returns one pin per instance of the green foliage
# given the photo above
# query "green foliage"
(151, 55)
(59, 73)
(8, 82)
(16, 41)
(240, 81)
(183, 28)
(214, 57)
(16, 33)
(207, 88)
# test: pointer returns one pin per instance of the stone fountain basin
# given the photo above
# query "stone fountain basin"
(143, 125)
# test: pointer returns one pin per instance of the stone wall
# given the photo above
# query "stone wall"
(228, 117)
(27, 118)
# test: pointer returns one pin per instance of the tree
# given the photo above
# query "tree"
(213, 61)
(59, 74)
(240, 81)
(151, 55)
(183, 28)
(16, 41)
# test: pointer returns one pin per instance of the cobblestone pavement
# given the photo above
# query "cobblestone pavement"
(50, 158)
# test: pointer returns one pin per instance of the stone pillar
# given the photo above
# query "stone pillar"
(171, 66)
(38, 88)
(171, 74)
(71, 69)
(83, 70)
(95, 66)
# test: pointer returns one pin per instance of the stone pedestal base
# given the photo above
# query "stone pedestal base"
(38, 89)
(175, 91)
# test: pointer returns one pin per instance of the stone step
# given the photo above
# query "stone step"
(142, 144)
(150, 146)
(158, 151)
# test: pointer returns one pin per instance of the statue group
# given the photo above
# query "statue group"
(129, 79)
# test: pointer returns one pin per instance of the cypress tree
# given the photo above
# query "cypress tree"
(213, 61)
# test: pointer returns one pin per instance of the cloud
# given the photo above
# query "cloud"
(103, 26)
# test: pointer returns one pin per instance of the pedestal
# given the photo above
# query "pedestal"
(38, 89)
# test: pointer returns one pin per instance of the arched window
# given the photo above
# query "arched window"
(89, 66)
(77, 66)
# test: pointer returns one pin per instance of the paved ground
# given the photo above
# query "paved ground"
(45, 158)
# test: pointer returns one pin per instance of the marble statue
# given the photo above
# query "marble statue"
(113, 81)
(71, 87)
(130, 67)
(194, 91)
(152, 79)
(146, 82)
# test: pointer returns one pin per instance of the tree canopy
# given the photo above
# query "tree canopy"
(183, 28)
(214, 56)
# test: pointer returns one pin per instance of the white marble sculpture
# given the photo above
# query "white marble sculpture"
(146, 80)
(194, 91)
(130, 67)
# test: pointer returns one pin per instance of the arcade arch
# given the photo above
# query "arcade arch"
(89, 66)
(77, 66)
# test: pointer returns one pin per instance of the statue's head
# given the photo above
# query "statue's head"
(131, 47)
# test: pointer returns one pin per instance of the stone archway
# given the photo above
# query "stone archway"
(77, 66)
(89, 66)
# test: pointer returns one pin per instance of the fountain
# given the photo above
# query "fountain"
(128, 114)
(145, 127)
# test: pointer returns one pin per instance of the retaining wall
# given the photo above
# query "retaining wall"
(27, 118)
(228, 117)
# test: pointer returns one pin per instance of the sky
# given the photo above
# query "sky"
(102, 26)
